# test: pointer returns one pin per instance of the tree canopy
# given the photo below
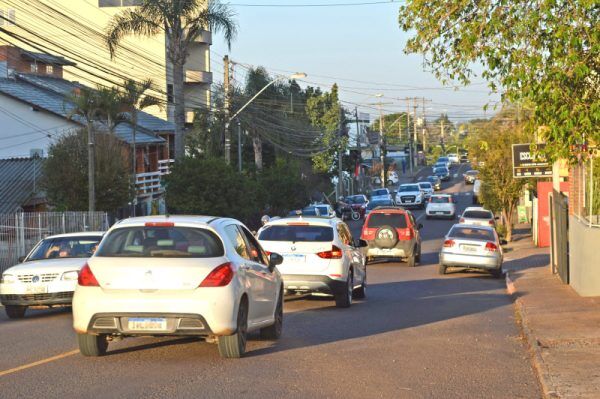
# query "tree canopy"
(546, 53)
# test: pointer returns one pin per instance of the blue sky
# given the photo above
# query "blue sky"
(360, 43)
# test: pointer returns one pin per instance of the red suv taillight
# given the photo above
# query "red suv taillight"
(449, 243)
(219, 277)
(490, 246)
(86, 278)
(335, 253)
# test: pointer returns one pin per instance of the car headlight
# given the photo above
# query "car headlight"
(7, 279)
(70, 276)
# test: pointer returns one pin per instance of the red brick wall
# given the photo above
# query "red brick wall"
(14, 61)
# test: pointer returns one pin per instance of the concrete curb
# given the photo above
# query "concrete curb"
(548, 387)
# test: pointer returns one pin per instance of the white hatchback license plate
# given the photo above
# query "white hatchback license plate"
(36, 289)
(147, 324)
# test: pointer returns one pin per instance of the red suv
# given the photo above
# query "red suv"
(392, 232)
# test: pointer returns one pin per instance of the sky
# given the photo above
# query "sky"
(358, 47)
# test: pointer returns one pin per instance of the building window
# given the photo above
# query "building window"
(34, 67)
(49, 69)
(170, 93)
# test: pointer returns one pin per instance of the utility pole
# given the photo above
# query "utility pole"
(358, 146)
(381, 146)
(340, 155)
(91, 168)
(424, 128)
(239, 134)
(410, 142)
(415, 136)
(226, 85)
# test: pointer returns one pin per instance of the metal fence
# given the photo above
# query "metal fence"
(20, 231)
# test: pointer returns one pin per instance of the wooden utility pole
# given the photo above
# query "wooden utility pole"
(415, 136)
(226, 86)
(381, 146)
(408, 136)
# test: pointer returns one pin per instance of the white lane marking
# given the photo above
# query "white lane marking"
(39, 362)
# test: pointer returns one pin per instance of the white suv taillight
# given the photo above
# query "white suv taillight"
(335, 253)
(219, 277)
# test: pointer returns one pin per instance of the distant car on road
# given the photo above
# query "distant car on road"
(453, 158)
(442, 172)
(470, 176)
(319, 257)
(325, 210)
(392, 232)
(410, 195)
(478, 216)
(48, 275)
(378, 203)
(435, 181)
(427, 188)
(358, 203)
(474, 247)
(442, 206)
(444, 160)
(178, 276)
(380, 194)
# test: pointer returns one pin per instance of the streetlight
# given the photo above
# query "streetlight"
(297, 75)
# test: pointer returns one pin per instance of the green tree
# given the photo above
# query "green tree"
(65, 172)
(292, 190)
(491, 144)
(182, 22)
(545, 52)
(325, 112)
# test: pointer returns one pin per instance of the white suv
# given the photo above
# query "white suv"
(319, 257)
(410, 195)
(178, 275)
(47, 276)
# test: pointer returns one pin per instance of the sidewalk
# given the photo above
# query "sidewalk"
(562, 329)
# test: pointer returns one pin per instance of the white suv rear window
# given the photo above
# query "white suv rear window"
(164, 242)
(297, 233)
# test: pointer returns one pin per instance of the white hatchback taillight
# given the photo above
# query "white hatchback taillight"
(86, 278)
(219, 277)
(490, 246)
(449, 243)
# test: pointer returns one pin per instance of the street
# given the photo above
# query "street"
(416, 335)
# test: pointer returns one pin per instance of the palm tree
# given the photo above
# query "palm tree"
(182, 22)
(85, 105)
(135, 99)
(112, 107)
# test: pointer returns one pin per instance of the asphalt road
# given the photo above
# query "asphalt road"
(417, 335)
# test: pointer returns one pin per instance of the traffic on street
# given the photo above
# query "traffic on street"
(412, 333)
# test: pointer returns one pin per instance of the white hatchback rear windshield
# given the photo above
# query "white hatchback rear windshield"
(163, 242)
(297, 233)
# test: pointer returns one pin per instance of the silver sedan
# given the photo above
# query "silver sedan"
(472, 247)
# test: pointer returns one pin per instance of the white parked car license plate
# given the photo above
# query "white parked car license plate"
(36, 289)
(147, 324)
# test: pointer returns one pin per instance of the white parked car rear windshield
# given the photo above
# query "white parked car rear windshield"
(440, 200)
(65, 247)
(297, 233)
(468, 233)
(478, 215)
(163, 242)
(396, 220)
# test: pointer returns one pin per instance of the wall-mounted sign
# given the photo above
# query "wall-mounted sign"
(528, 163)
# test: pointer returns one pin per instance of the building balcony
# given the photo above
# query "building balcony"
(195, 77)
(148, 184)
(205, 37)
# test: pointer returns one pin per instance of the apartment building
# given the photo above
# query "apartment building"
(73, 29)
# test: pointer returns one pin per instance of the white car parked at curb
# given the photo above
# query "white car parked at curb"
(179, 275)
(47, 276)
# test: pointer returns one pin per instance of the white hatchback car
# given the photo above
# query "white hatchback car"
(47, 276)
(178, 275)
(478, 216)
(441, 206)
(319, 257)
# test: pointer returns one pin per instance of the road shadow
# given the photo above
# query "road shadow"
(35, 314)
(516, 266)
(391, 307)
